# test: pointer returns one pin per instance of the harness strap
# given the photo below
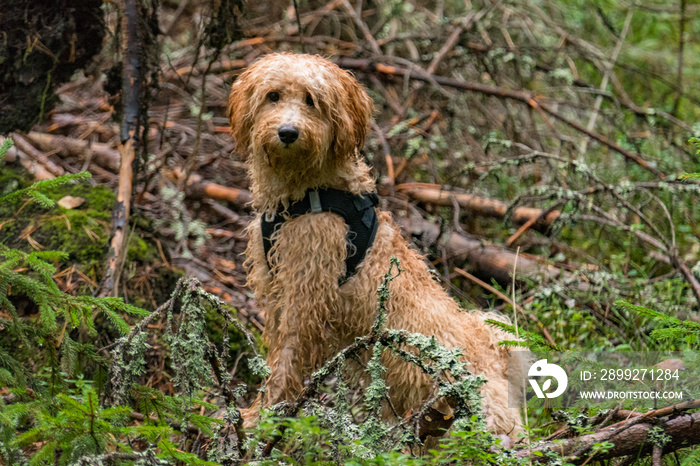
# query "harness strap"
(357, 211)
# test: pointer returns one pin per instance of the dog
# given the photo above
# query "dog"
(302, 121)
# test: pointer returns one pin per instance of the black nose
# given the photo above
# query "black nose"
(288, 134)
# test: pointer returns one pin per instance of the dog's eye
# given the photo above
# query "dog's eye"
(273, 96)
(309, 100)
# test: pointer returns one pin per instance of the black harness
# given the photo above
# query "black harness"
(357, 211)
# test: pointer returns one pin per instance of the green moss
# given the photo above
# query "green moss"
(140, 250)
(81, 232)
(97, 198)
(9, 181)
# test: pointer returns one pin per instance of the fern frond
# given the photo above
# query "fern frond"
(69, 355)
(5, 148)
(645, 311)
(531, 340)
(675, 329)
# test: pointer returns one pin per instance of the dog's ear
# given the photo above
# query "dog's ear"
(240, 113)
(354, 114)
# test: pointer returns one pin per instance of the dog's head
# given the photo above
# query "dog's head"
(297, 111)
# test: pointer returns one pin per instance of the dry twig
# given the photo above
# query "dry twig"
(517, 95)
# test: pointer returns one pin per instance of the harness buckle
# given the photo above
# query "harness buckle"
(315, 201)
(270, 215)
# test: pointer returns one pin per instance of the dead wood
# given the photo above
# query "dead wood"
(198, 188)
(530, 223)
(205, 189)
(220, 66)
(517, 95)
(433, 194)
(102, 154)
(484, 257)
(131, 83)
(629, 438)
(37, 170)
(32, 152)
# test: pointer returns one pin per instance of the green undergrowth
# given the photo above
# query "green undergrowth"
(613, 240)
(80, 232)
(59, 378)
(76, 395)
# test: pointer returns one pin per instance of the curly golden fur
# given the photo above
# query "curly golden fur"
(309, 316)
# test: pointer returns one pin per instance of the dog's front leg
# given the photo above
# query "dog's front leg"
(283, 383)
(306, 261)
(281, 337)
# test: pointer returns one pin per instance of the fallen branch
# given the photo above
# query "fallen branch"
(656, 413)
(205, 189)
(131, 83)
(29, 150)
(432, 194)
(197, 188)
(100, 153)
(629, 437)
(37, 170)
(366, 33)
(493, 261)
(530, 223)
(220, 66)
